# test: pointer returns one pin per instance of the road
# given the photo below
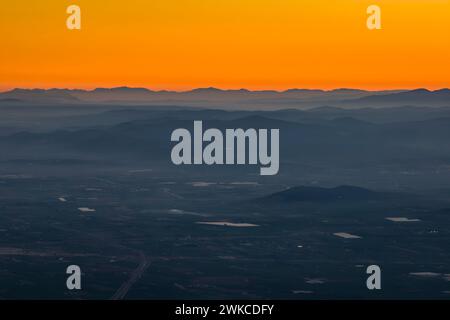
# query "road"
(135, 275)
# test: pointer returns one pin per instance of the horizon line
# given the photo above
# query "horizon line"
(92, 89)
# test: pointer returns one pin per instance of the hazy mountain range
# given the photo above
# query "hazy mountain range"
(87, 176)
(346, 149)
(232, 99)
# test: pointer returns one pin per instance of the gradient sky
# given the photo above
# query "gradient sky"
(255, 44)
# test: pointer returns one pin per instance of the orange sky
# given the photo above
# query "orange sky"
(255, 44)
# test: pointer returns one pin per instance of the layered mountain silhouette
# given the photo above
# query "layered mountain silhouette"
(419, 97)
(344, 142)
(232, 99)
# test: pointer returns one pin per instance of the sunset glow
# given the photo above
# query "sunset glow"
(264, 44)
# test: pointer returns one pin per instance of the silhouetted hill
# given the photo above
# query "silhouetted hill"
(201, 97)
(123, 90)
(39, 96)
(418, 97)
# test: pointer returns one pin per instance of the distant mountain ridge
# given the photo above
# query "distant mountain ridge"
(413, 97)
(232, 99)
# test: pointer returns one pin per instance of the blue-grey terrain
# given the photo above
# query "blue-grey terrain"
(86, 178)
